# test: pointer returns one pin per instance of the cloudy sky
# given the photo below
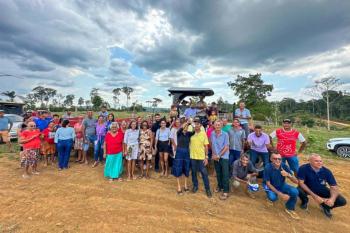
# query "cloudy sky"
(74, 46)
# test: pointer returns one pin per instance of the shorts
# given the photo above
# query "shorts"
(29, 157)
(181, 163)
(133, 151)
(145, 151)
(47, 148)
(163, 146)
(78, 143)
(4, 134)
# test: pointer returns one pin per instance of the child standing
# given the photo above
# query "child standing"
(48, 147)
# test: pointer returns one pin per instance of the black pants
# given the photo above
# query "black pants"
(324, 193)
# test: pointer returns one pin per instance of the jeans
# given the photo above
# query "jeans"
(293, 163)
(234, 155)
(64, 147)
(197, 165)
(263, 155)
(91, 139)
(222, 174)
(245, 127)
(286, 189)
(324, 193)
(98, 149)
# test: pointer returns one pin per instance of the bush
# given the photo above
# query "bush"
(307, 120)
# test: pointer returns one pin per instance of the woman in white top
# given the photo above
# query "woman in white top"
(162, 142)
(131, 148)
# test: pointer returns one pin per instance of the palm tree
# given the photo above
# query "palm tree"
(127, 91)
(116, 94)
(10, 94)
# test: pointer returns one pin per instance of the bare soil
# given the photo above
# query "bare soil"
(81, 200)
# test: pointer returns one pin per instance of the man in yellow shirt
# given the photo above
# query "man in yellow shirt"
(199, 157)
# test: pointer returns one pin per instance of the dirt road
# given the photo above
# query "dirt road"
(81, 200)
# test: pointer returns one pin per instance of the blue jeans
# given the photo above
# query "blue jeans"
(234, 155)
(286, 189)
(64, 147)
(197, 165)
(293, 163)
(98, 149)
(245, 127)
(263, 155)
(91, 139)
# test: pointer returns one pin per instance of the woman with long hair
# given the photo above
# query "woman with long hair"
(182, 161)
(79, 140)
(113, 152)
(110, 120)
(162, 141)
(131, 148)
(100, 133)
(64, 138)
(146, 142)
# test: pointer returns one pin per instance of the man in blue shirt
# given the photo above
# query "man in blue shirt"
(275, 174)
(5, 122)
(43, 121)
(313, 179)
(220, 154)
(191, 112)
(243, 114)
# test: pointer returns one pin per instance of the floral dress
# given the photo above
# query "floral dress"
(145, 145)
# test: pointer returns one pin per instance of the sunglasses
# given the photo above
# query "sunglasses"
(277, 159)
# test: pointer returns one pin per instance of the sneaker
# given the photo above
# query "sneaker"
(326, 211)
(195, 189)
(292, 214)
(303, 206)
(209, 193)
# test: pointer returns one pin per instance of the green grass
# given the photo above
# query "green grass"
(317, 139)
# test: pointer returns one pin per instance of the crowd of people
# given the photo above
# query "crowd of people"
(182, 144)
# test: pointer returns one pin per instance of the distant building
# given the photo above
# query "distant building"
(12, 107)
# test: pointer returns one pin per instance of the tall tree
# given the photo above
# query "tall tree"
(69, 100)
(96, 99)
(80, 101)
(116, 94)
(127, 91)
(43, 94)
(324, 88)
(60, 99)
(251, 89)
(155, 102)
(10, 94)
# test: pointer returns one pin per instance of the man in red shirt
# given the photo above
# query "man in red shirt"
(287, 138)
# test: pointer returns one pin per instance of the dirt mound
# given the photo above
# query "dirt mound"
(81, 200)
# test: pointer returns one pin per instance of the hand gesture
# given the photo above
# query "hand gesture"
(319, 200)
(104, 155)
(329, 202)
(215, 157)
(284, 173)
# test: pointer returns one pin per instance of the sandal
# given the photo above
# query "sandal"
(140, 177)
(186, 190)
(120, 179)
(180, 192)
(224, 196)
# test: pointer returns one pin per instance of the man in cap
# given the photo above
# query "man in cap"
(287, 138)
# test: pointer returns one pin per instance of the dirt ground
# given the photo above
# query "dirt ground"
(81, 200)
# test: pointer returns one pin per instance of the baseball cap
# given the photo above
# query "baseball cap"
(196, 119)
(287, 121)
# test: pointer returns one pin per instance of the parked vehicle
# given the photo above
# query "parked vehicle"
(341, 146)
(17, 121)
